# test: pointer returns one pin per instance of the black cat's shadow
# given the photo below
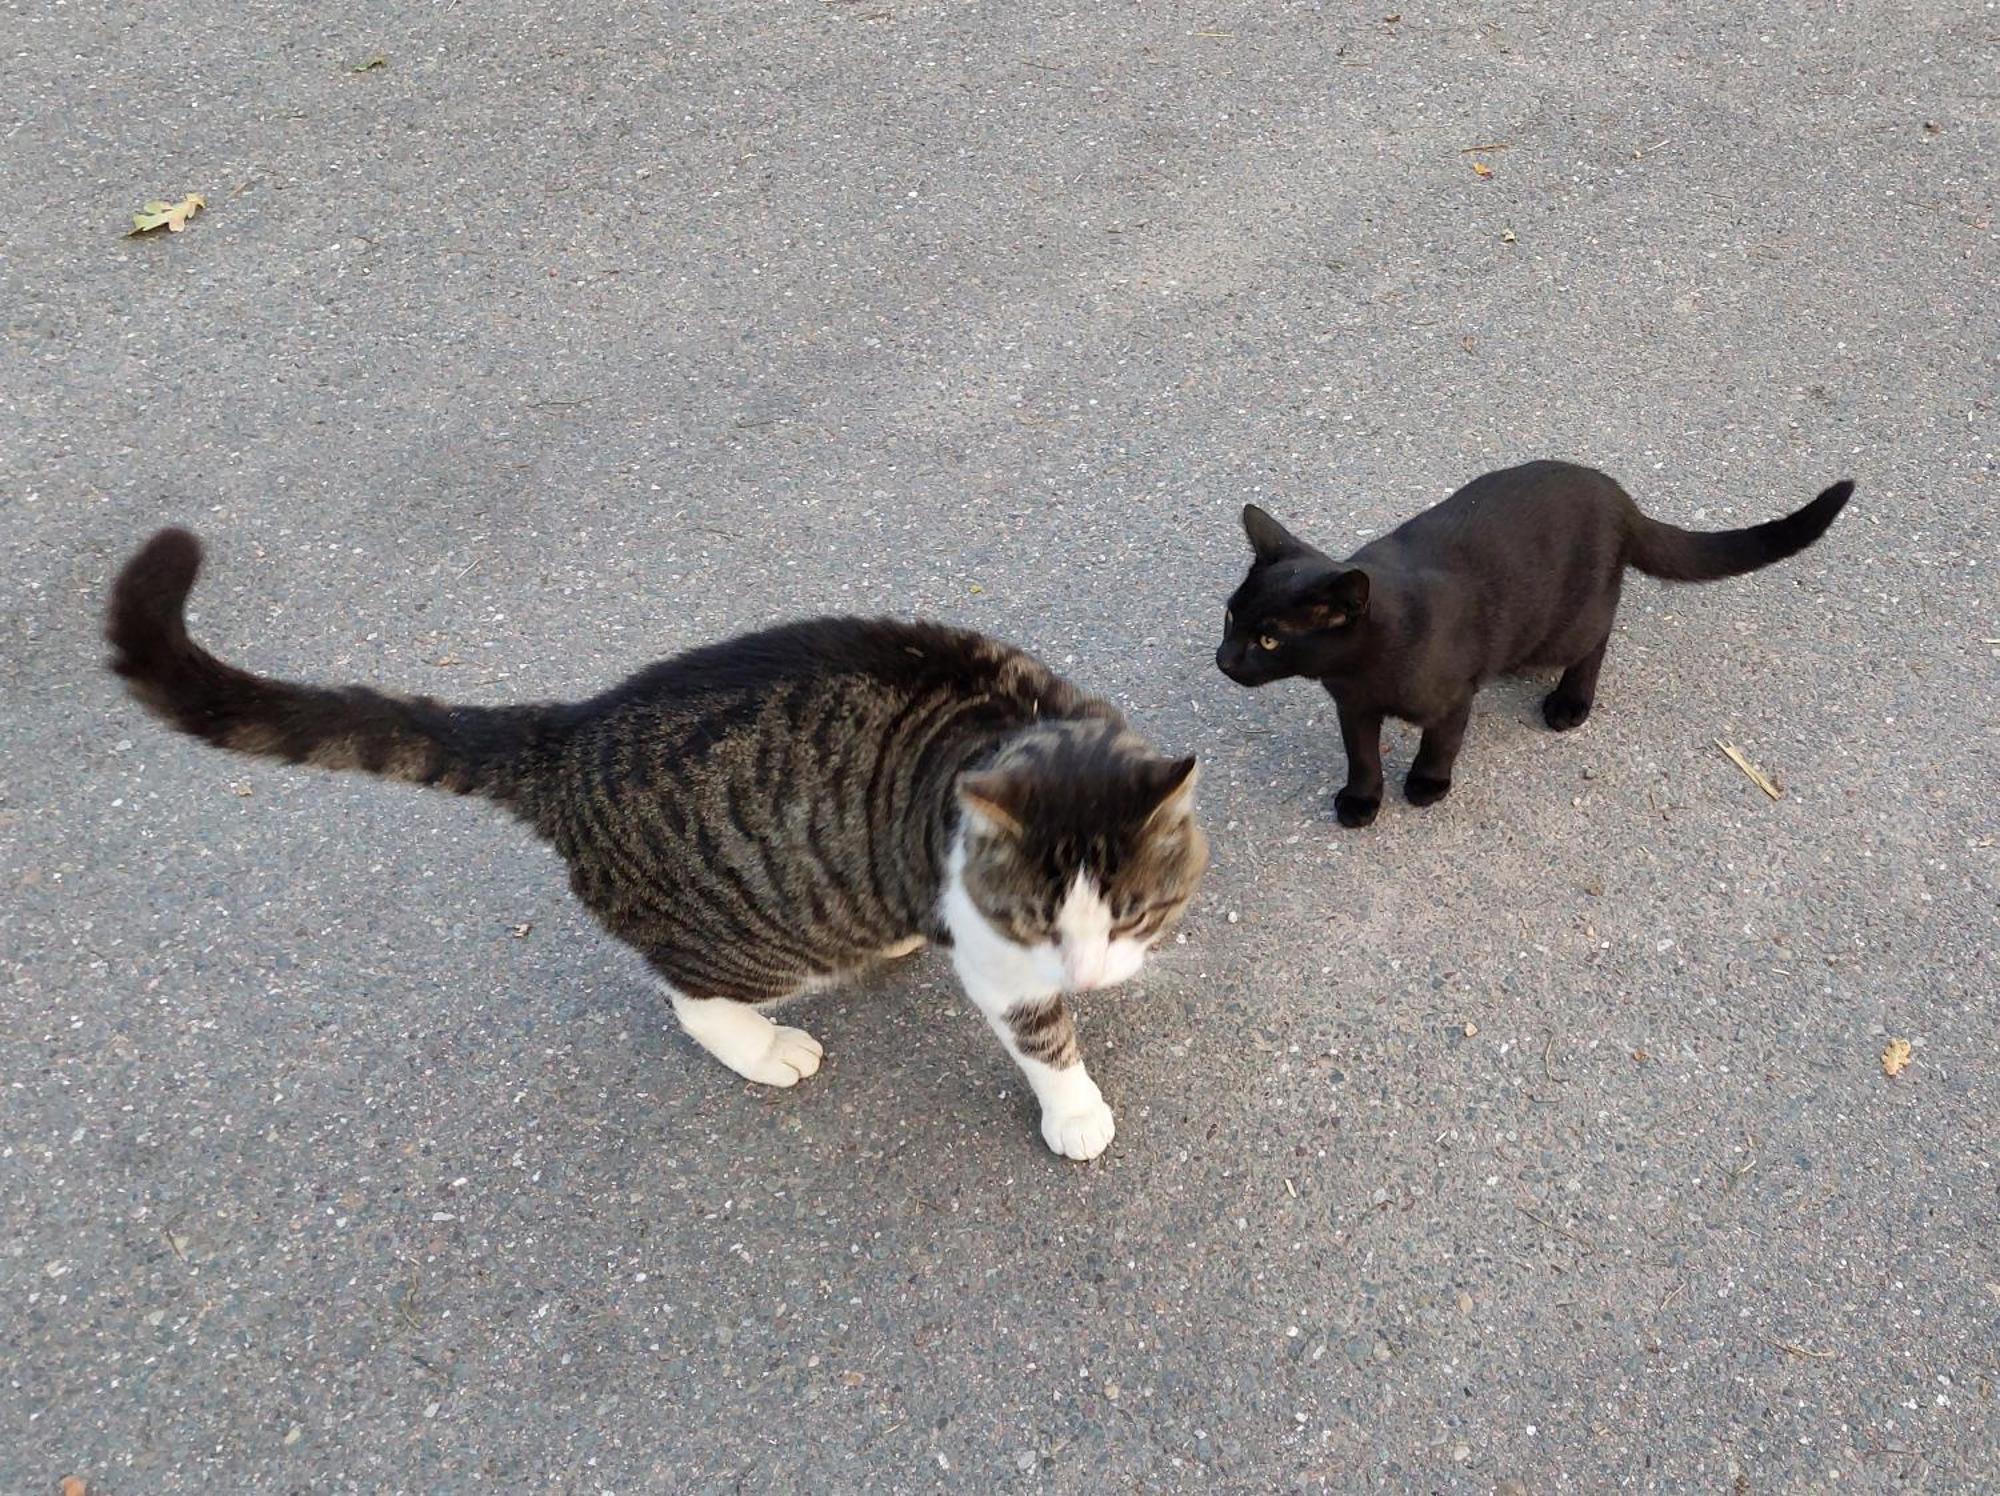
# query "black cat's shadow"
(1506, 711)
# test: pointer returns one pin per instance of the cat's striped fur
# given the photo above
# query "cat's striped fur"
(766, 814)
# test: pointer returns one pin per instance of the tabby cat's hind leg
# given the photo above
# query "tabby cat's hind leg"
(746, 1041)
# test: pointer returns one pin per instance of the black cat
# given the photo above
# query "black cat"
(1519, 569)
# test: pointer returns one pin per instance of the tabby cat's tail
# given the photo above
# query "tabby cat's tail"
(469, 750)
(1677, 555)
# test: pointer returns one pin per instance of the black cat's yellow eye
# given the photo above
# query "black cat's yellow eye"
(1265, 641)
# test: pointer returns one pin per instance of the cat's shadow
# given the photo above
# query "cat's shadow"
(1506, 713)
(899, 1028)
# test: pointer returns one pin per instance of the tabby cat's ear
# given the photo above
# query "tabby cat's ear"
(1339, 598)
(1173, 784)
(1269, 539)
(993, 803)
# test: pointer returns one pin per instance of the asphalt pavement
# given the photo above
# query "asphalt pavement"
(1537, 1141)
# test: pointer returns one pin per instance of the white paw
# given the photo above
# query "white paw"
(1081, 1131)
(789, 1058)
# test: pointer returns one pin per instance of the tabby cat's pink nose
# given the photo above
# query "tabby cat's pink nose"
(1085, 973)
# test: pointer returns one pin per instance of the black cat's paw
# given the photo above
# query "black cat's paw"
(1425, 789)
(1356, 810)
(1563, 712)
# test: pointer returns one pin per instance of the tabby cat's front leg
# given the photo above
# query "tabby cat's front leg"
(1038, 1032)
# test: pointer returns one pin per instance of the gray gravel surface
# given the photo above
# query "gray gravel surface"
(1537, 1141)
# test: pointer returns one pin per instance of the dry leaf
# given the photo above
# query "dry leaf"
(73, 1485)
(520, 932)
(1507, 237)
(1896, 1057)
(1482, 169)
(173, 217)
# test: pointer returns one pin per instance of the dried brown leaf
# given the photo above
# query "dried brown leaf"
(1896, 1057)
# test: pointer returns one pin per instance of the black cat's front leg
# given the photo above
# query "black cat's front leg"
(1361, 735)
(1430, 774)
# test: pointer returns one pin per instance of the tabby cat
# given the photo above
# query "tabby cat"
(1519, 569)
(765, 815)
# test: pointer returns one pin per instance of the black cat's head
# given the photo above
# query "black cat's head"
(1297, 612)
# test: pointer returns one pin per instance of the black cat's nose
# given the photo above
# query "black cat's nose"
(1229, 662)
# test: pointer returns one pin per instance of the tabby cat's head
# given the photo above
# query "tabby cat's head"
(1081, 847)
(1298, 612)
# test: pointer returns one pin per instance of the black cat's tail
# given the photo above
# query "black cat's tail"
(1677, 555)
(468, 750)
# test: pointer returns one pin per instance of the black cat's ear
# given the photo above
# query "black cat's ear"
(1269, 539)
(1340, 598)
(1172, 785)
(993, 803)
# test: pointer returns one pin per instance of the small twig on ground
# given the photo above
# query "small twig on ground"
(1498, 145)
(1673, 1293)
(1582, 1241)
(1799, 1350)
(1750, 1146)
(406, 1306)
(1757, 775)
(1554, 1079)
